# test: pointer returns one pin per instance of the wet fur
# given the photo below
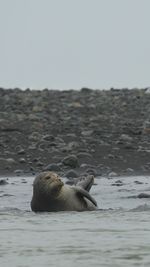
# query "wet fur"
(50, 194)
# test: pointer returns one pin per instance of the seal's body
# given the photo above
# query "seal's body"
(51, 194)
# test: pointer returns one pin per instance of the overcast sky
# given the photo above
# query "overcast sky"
(64, 44)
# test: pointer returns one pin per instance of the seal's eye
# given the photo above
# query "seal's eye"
(47, 177)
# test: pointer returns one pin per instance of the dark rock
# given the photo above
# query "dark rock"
(71, 161)
(3, 182)
(117, 183)
(143, 195)
(112, 175)
(39, 164)
(91, 172)
(48, 137)
(21, 152)
(138, 182)
(18, 172)
(71, 174)
(52, 167)
(22, 160)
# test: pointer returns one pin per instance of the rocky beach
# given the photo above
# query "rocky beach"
(100, 132)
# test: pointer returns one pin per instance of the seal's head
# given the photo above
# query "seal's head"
(46, 187)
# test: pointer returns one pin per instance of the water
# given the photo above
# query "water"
(118, 235)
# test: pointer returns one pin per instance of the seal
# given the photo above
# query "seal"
(51, 194)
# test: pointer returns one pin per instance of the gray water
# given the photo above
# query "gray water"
(117, 235)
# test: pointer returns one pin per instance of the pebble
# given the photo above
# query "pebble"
(22, 160)
(21, 152)
(10, 161)
(126, 138)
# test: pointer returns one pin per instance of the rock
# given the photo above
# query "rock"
(3, 182)
(73, 145)
(39, 164)
(126, 138)
(87, 133)
(129, 170)
(84, 155)
(91, 172)
(48, 137)
(21, 152)
(112, 174)
(143, 195)
(71, 161)
(117, 183)
(18, 172)
(147, 90)
(35, 137)
(138, 182)
(10, 161)
(22, 160)
(111, 156)
(71, 174)
(52, 167)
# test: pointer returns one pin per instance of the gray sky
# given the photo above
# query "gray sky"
(64, 44)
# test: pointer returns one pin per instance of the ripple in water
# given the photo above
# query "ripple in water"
(116, 235)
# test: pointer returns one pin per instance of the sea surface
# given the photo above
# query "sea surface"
(116, 235)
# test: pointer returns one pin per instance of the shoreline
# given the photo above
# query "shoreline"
(100, 132)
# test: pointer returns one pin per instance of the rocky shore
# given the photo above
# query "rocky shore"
(75, 132)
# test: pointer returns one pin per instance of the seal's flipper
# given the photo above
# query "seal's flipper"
(83, 193)
(86, 182)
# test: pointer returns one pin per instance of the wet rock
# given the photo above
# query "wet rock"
(147, 90)
(52, 167)
(19, 172)
(22, 160)
(112, 174)
(3, 182)
(21, 152)
(117, 183)
(48, 137)
(35, 136)
(92, 172)
(10, 161)
(39, 163)
(71, 174)
(23, 181)
(73, 145)
(143, 195)
(126, 138)
(84, 157)
(87, 133)
(71, 161)
(138, 182)
(130, 170)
